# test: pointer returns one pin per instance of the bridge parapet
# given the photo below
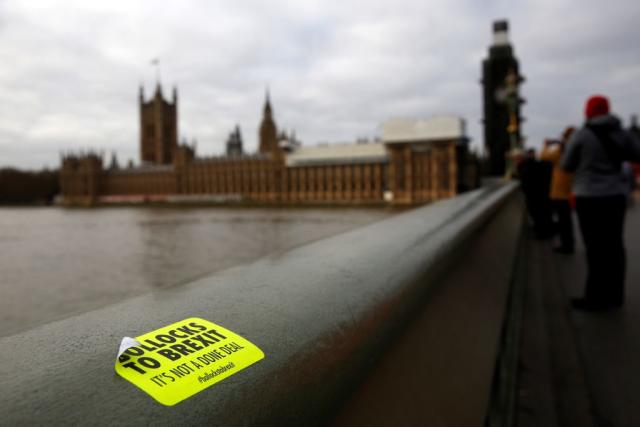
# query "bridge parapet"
(322, 313)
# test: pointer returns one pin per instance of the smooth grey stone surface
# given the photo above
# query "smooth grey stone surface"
(321, 313)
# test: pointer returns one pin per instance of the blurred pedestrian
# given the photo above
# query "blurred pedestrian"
(630, 178)
(595, 154)
(561, 182)
(535, 179)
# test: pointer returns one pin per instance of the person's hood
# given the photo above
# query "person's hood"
(605, 121)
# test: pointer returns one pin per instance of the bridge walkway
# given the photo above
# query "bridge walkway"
(578, 368)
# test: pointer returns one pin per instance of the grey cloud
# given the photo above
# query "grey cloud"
(335, 69)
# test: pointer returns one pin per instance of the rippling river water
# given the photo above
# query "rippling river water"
(58, 262)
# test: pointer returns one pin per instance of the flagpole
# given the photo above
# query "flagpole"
(156, 62)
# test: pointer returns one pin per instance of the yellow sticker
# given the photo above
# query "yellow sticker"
(182, 359)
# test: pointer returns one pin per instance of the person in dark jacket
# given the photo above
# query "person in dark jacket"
(535, 179)
(595, 154)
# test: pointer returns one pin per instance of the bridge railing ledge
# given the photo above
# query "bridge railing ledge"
(320, 312)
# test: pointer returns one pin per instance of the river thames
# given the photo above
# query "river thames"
(57, 262)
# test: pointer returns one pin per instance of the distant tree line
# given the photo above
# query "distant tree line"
(22, 187)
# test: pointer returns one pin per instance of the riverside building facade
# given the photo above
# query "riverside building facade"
(415, 161)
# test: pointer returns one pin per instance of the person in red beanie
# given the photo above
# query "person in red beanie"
(597, 105)
(595, 154)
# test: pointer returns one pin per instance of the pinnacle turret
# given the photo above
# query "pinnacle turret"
(268, 112)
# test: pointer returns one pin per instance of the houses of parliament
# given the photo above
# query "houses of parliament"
(415, 161)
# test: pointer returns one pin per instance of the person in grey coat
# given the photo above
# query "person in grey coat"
(595, 154)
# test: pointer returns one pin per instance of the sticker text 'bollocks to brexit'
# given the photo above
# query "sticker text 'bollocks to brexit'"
(177, 361)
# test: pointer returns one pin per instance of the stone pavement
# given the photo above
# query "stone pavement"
(577, 368)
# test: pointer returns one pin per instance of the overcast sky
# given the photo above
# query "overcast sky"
(70, 70)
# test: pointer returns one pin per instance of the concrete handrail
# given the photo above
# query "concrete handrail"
(319, 312)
